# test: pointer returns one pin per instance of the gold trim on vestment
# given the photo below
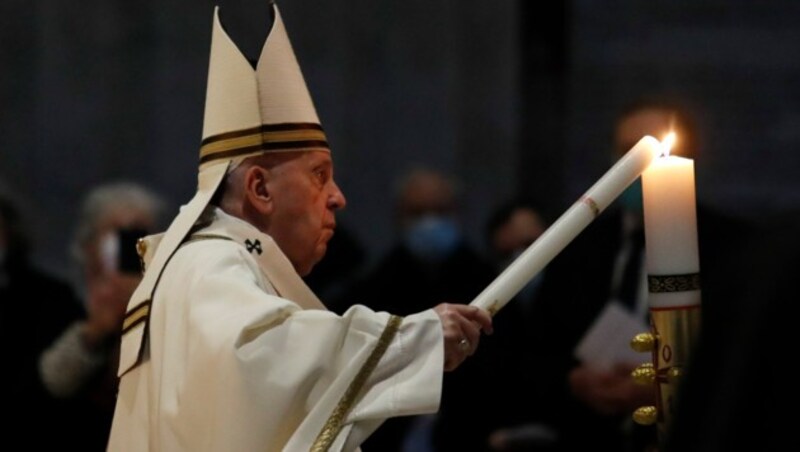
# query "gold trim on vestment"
(136, 315)
(335, 422)
(141, 313)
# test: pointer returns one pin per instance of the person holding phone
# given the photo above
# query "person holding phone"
(80, 365)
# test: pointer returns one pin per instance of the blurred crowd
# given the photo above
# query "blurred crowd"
(65, 338)
(526, 389)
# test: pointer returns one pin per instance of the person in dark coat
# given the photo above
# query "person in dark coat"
(585, 406)
(34, 309)
(431, 263)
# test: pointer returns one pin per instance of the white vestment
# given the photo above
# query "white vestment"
(243, 357)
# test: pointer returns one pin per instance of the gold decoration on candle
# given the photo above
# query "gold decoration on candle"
(673, 283)
(677, 330)
(646, 415)
(643, 342)
(644, 375)
(674, 374)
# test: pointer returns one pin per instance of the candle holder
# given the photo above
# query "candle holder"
(674, 331)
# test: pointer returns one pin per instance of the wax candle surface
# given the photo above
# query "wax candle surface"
(670, 225)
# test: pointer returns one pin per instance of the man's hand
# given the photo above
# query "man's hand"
(461, 327)
(106, 305)
(609, 392)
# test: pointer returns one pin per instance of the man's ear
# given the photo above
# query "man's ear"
(257, 190)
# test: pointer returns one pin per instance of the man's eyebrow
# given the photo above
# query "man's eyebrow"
(324, 162)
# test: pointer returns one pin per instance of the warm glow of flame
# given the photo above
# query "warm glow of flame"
(667, 143)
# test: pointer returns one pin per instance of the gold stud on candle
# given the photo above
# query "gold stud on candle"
(646, 415)
(643, 342)
(644, 375)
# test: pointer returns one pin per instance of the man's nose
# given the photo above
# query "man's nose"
(336, 200)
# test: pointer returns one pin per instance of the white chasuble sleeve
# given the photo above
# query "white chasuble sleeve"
(243, 369)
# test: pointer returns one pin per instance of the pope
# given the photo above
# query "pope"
(224, 347)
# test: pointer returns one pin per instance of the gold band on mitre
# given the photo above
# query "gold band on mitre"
(265, 138)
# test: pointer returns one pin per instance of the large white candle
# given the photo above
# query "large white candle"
(568, 226)
(670, 226)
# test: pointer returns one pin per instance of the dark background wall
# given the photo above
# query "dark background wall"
(733, 63)
(510, 96)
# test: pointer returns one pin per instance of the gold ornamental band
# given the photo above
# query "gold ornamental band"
(673, 283)
(263, 138)
(335, 422)
(136, 316)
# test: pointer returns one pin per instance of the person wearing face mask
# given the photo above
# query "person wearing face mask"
(430, 251)
(430, 263)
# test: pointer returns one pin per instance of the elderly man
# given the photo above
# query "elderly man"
(224, 347)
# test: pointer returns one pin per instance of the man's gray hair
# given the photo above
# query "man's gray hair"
(111, 197)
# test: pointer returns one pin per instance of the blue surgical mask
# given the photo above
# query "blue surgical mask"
(631, 198)
(432, 238)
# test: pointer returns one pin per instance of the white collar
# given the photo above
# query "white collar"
(273, 263)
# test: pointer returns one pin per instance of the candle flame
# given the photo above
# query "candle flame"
(667, 143)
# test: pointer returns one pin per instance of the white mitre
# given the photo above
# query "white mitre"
(248, 112)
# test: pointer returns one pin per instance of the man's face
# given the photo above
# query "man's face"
(427, 194)
(305, 199)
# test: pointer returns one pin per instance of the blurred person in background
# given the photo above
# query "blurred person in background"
(81, 363)
(511, 229)
(430, 263)
(431, 251)
(502, 372)
(338, 270)
(36, 307)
